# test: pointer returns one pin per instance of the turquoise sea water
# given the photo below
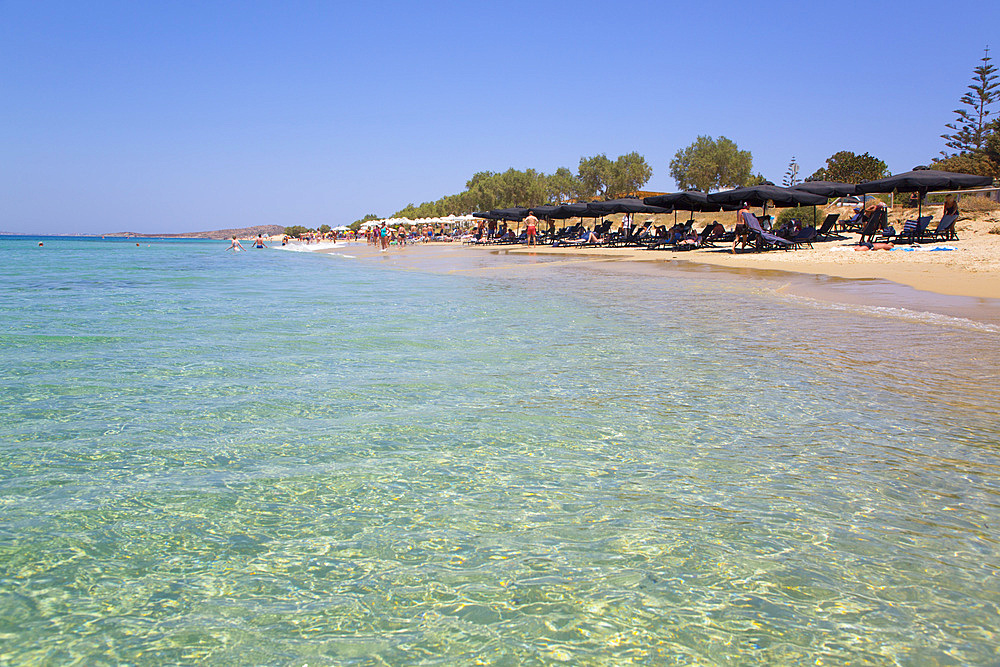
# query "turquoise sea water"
(292, 458)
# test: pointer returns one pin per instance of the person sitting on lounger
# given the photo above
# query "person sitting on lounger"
(646, 233)
(790, 229)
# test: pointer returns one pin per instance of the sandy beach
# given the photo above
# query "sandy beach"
(971, 269)
(961, 282)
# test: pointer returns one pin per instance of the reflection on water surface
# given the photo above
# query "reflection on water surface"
(289, 459)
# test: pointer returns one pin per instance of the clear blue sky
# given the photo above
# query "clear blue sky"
(186, 116)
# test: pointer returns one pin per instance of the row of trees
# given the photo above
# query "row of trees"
(596, 177)
(707, 164)
(713, 164)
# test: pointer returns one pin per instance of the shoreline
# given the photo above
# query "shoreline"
(872, 283)
(920, 275)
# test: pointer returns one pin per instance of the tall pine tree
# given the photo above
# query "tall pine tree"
(970, 129)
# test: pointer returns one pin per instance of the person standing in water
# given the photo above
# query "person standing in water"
(383, 234)
(259, 242)
(531, 227)
(235, 245)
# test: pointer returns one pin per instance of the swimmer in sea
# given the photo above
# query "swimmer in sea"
(259, 242)
(235, 245)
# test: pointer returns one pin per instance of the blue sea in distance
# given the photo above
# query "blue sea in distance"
(452, 457)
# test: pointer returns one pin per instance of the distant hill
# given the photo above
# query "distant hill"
(243, 232)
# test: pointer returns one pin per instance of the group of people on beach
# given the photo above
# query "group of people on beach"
(383, 236)
(680, 235)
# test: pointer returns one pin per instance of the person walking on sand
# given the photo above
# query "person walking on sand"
(235, 245)
(531, 227)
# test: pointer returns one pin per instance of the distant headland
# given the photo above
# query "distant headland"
(243, 232)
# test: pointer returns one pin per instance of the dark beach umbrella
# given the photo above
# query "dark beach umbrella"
(759, 195)
(485, 215)
(828, 189)
(578, 210)
(512, 213)
(688, 200)
(923, 180)
(543, 211)
(626, 205)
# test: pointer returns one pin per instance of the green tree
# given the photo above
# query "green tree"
(984, 162)
(792, 174)
(711, 164)
(295, 231)
(562, 185)
(629, 173)
(600, 177)
(323, 229)
(848, 167)
(593, 174)
(971, 126)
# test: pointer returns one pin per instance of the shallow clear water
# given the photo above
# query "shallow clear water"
(289, 458)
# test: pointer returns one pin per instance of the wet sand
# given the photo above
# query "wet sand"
(882, 285)
(961, 272)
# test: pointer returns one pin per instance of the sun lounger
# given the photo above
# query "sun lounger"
(825, 231)
(806, 236)
(764, 239)
(945, 230)
(710, 236)
(852, 224)
(913, 230)
(875, 225)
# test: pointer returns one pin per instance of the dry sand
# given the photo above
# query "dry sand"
(963, 283)
(972, 269)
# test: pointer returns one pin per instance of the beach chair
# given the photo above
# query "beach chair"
(945, 230)
(825, 231)
(712, 233)
(913, 230)
(852, 224)
(806, 236)
(764, 239)
(875, 225)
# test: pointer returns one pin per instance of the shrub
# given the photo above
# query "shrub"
(295, 231)
(995, 230)
(977, 204)
(807, 215)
